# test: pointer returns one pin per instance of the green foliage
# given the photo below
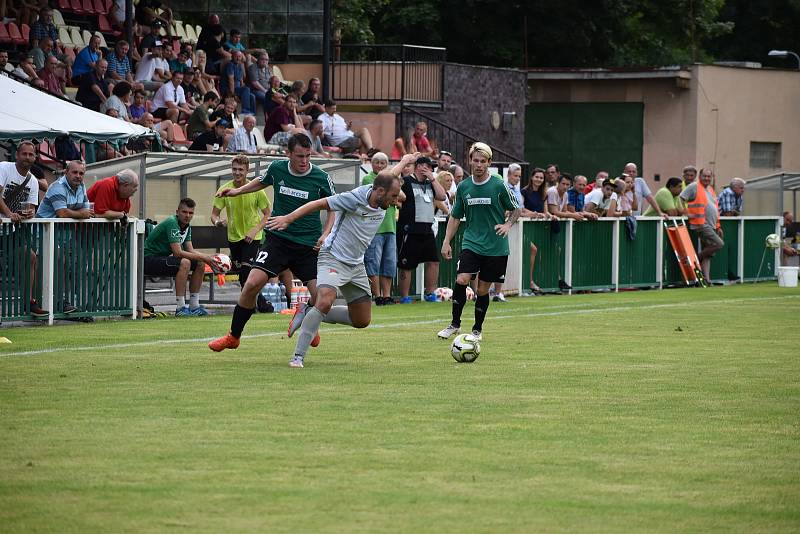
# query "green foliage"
(351, 18)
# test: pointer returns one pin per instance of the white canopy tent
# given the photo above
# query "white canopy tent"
(26, 113)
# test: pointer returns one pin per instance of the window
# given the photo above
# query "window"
(765, 155)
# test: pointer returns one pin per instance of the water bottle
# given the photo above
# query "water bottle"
(275, 297)
(284, 304)
(266, 292)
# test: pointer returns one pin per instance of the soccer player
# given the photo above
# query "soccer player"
(246, 217)
(359, 214)
(296, 182)
(483, 199)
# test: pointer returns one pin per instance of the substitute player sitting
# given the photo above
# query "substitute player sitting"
(340, 265)
(484, 200)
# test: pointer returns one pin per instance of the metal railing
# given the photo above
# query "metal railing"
(408, 74)
(451, 139)
(92, 265)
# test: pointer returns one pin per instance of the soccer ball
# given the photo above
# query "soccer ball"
(224, 261)
(773, 241)
(443, 294)
(465, 348)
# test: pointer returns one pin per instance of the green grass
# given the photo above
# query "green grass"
(647, 411)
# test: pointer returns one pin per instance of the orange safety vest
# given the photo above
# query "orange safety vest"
(696, 209)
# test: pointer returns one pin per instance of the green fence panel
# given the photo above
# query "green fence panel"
(20, 245)
(92, 269)
(724, 264)
(549, 263)
(637, 258)
(755, 234)
(447, 268)
(592, 254)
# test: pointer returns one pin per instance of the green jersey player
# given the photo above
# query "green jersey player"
(483, 199)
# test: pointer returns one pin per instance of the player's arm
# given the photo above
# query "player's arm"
(250, 187)
(397, 170)
(452, 228)
(191, 254)
(281, 222)
(251, 235)
(216, 220)
(6, 212)
(326, 230)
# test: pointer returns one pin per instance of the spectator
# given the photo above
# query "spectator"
(731, 199)
(341, 134)
(552, 175)
(170, 101)
(86, 60)
(180, 63)
(513, 177)
(49, 75)
(19, 196)
(205, 32)
(227, 112)
(112, 195)
(168, 251)
(5, 66)
(119, 100)
(445, 161)
(93, 90)
(416, 242)
(669, 200)
(417, 142)
(297, 91)
(148, 15)
(43, 27)
(246, 217)
(703, 213)
(458, 174)
(148, 41)
(119, 64)
(199, 121)
(623, 203)
(380, 258)
(117, 14)
(153, 70)
(599, 200)
(139, 106)
(187, 48)
(258, 75)
(205, 82)
(244, 139)
(232, 83)
(557, 200)
(315, 134)
(27, 71)
(790, 233)
(575, 194)
(534, 206)
(211, 140)
(163, 128)
(689, 175)
(42, 52)
(190, 91)
(275, 96)
(311, 99)
(283, 123)
(641, 190)
(442, 207)
(598, 182)
(212, 46)
(66, 198)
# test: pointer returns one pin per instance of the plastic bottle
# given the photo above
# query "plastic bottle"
(283, 302)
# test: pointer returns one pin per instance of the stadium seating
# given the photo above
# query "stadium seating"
(25, 30)
(77, 39)
(76, 6)
(65, 38)
(5, 38)
(88, 7)
(100, 7)
(58, 19)
(179, 136)
(191, 36)
(64, 5)
(15, 34)
(180, 31)
(105, 26)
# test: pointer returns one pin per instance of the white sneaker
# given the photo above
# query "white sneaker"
(296, 362)
(499, 298)
(477, 334)
(448, 332)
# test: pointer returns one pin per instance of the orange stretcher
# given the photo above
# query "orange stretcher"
(691, 269)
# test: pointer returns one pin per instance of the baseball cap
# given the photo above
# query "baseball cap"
(222, 122)
(424, 160)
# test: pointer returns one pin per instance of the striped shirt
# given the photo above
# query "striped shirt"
(243, 141)
(121, 66)
(59, 196)
(729, 201)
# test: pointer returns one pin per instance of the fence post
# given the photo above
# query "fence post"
(568, 253)
(615, 257)
(660, 255)
(777, 262)
(740, 251)
(48, 267)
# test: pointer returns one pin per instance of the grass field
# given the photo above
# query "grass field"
(653, 411)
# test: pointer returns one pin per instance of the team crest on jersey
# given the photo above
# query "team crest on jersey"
(288, 191)
(175, 233)
(480, 200)
(333, 271)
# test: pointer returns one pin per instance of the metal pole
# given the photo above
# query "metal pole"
(326, 48)
(129, 22)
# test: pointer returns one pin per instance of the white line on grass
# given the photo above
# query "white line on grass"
(582, 311)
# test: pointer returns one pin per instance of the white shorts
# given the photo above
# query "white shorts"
(349, 280)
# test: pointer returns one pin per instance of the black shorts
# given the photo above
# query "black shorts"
(488, 268)
(413, 249)
(160, 113)
(278, 254)
(164, 265)
(243, 252)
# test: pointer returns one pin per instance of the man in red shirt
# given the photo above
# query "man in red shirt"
(112, 195)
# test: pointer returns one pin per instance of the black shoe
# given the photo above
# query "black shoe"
(263, 305)
(387, 301)
(563, 286)
(37, 310)
(68, 308)
(378, 301)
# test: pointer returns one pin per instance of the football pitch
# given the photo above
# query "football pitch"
(649, 411)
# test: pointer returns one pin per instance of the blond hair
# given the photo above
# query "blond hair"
(482, 148)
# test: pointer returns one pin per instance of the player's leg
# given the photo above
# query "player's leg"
(195, 283)
(491, 269)
(309, 326)
(466, 269)
(355, 288)
(181, 277)
(482, 301)
(303, 263)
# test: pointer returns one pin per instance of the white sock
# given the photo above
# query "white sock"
(338, 315)
(194, 300)
(181, 301)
